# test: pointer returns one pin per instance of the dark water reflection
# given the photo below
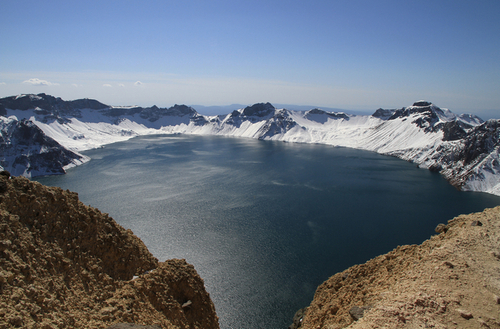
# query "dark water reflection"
(264, 223)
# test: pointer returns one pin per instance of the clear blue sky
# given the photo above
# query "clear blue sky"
(352, 54)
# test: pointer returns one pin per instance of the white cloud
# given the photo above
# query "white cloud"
(138, 83)
(107, 85)
(38, 82)
(2, 83)
(121, 85)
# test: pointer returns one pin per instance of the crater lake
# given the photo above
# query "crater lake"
(264, 223)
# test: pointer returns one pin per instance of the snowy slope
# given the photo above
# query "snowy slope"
(462, 148)
(27, 151)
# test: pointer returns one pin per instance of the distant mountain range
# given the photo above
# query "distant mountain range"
(224, 109)
(42, 134)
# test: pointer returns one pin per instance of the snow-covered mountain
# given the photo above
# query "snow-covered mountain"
(25, 150)
(461, 147)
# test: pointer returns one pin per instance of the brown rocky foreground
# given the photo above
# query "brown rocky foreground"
(67, 265)
(451, 280)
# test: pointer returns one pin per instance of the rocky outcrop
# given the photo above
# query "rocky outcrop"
(154, 113)
(471, 162)
(64, 264)
(449, 281)
(49, 104)
(26, 150)
(310, 114)
(259, 110)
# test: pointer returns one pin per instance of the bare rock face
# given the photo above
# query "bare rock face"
(449, 281)
(26, 150)
(64, 264)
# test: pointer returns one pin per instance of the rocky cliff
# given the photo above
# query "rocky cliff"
(67, 265)
(451, 280)
(26, 151)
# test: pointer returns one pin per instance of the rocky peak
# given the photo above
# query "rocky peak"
(426, 115)
(316, 111)
(340, 115)
(182, 109)
(51, 105)
(423, 107)
(259, 110)
(422, 103)
(383, 113)
(87, 103)
(154, 112)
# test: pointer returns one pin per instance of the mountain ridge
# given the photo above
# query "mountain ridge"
(463, 148)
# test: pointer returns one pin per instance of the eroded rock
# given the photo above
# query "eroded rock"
(64, 264)
(445, 282)
(357, 312)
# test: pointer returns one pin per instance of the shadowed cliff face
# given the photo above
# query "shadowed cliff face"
(64, 264)
(26, 150)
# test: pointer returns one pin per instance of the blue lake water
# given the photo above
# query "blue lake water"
(264, 223)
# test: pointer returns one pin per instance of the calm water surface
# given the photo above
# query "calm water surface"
(264, 223)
